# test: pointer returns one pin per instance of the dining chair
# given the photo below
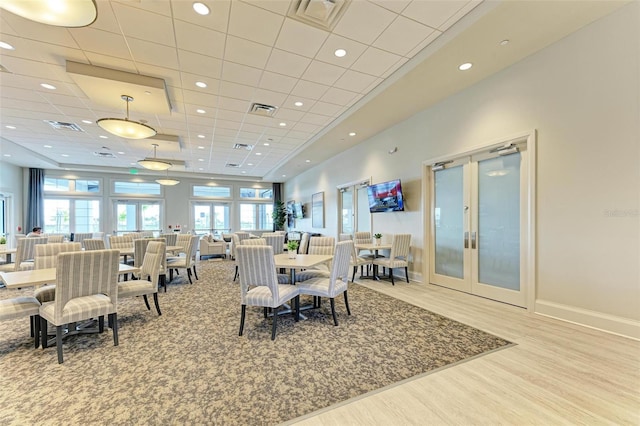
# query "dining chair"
(122, 242)
(86, 287)
(171, 238)
(398, 256)
(345, 237)
(21, 307)
(25, 252)
(186, 241)
(79, 237)
(304, 243)
(47, 257)
(357, 260)
(139, 250)
(149, 275)
(318, 245)
(276, 241)
(336, 283)
(258, 270)
(94, 244)
(55, 238)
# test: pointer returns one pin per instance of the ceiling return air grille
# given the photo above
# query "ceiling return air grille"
(233, 165)
(64, 126)
(262, 109)
(243, 146)
(323, 14)
(103, 154)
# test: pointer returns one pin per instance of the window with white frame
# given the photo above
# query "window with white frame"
(256, 216)
(211, 191)
(70, 205)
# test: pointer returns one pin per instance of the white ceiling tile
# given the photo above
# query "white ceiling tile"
(323, 73)
(306, 127)
(324, 108)
(373, 85)
(104, 43)
(216, 20)
(335, 42)
(299, 38)
(470, 5)
(375, 61)
(424, 43)
(289, 114)
(240, 105)
(308, 89)
(317, 119)
(254, 23)
(200, 64)
(402, 36)
(286, 63)
(192, 37)
(277, 6)
(353, 26)
(394, 67)
(433, 13)
(338, 96)
(234, 90)
(130, 19)
(241, 74)
(189, 83)
(268, 97)
(355, 81)
(170, 76)
(396, 6)
(198, 98)
(154, 54)
(277, 82)
(306, 103)
(111, 62)
(246, 52)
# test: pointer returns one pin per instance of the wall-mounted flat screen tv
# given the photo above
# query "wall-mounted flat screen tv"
(385, 197)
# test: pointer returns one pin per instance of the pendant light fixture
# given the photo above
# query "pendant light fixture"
(126, 128)
(60, 13)
(168, 181)
(154, 163)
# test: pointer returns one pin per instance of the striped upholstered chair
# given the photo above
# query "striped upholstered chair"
(86, 287)
(47, 257)
(25, 252)
(258, 271)
(94, 244)
(318, 245)
(336, 283)
(398, 258)
(20, 307)
(150, 272)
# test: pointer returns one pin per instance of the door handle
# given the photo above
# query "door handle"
(466, 240)
(473, 240)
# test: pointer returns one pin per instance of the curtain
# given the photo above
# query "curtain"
(35, 200)
(277, 196)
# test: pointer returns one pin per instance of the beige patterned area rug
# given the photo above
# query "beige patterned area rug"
(189, 366)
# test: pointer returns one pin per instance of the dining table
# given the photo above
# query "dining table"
(35, 277)
(7, 253)
(301, 261)
(374, 247)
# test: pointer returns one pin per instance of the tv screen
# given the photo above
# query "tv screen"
(385, 197)
(297, 211)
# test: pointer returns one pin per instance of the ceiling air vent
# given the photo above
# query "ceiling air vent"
(243, 146)
(104, 154)
(262, 109)
(323, 14)
(64, 126)
(235, 165)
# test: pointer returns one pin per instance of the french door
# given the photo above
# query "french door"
(211, 217)
(132, 216)
(354, 208)
(479, 222)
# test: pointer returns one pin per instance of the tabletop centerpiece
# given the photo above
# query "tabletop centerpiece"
(377, 239)
(292, 248)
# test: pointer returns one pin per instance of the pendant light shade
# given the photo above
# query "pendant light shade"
(168, 182)
(154, 163)
(61, 13)
(126, 128)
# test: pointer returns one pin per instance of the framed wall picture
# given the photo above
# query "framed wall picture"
(317, 210)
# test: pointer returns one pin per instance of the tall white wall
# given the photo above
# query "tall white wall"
(582, 95)
(11, 185)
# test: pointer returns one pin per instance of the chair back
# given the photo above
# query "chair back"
(254, 242)
(55, 238)
(26, 249)
(47, 254)
(184, 241)
(94, 244)
(243, 235)
(153, 259)
(362, 237)
(256, 267)
(400, 246)
(189, 243)
(170, 238)
(85, 273)
(79, 237)
(195, 239)
(121, 241)
(345, 237)
(235, 242)
(304, 243)
(341, 264)
(276, 241)
(321, 245)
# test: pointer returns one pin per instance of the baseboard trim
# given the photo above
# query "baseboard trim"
(592, 319)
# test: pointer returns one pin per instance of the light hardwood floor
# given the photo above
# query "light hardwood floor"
(557, 373)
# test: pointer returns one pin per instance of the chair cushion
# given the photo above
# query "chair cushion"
(45, 294)
(391, 263)
(135, 288)
(19, 307)
(284, 279)
(311, 274)
(261, 295)
(79, 309)
(320, 287)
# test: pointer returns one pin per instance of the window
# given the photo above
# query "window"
(146, 188)
(65, 215)
(53, 184)
(137, 216)
(87, 185)
(211, 217)
(211, 191)
(254, 216)
(262, 193)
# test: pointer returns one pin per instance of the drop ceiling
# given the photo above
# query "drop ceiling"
(402, 57)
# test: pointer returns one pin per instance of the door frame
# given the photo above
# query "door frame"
(529, 226)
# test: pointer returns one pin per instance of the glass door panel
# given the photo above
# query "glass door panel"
(133, 216)
(347, 213)
(150, 217)
(202, 218)
(364, 215)
(126, 217)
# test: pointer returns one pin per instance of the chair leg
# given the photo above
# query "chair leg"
(101, 324)
(163, 281)
(333, 311)
(244, 309)
(32, 327)
(297, 315)
(43, 332)
(355, 268)
(189, 275)
(406, 273)
(275, 324)
(146, 302)
(155, 300)
(113, 319)
(59, 343)
(236, 274)
(195, 273)
(346, 302)
(170, 274)
(35, 320)
(391, 276)
(265, 312)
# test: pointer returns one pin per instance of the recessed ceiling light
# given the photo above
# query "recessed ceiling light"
(87, 122)
(244, 171)
(201, 136)
(133, 164)
(200, 159)
(6, 155)
(249, 164)
(7, 46)
(340, 53)
(200, 111)
(10, 127)
(47, 146)
(465, 66)
(201, 147)
(200, 168)
(104, 137)
(65, 155)
(284, 175)
(307, 161)
(298, 103)
(258, 153)
(266, 144)
(201, 84)
(283, 124)
(121, 152)
(352, 134)
(201, 9)
(48, 86)
(504, 42)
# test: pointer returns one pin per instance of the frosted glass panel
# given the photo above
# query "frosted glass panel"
(449, 222)
(347, 211)
(499, 221)
(364, 216)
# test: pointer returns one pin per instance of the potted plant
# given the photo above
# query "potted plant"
(292, 248)
(279, 216)
(3, 243)
(377, 238)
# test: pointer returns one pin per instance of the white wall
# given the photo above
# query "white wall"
(582, 95)
(11, 185)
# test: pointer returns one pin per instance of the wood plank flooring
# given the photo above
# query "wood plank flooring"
(558, 373)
